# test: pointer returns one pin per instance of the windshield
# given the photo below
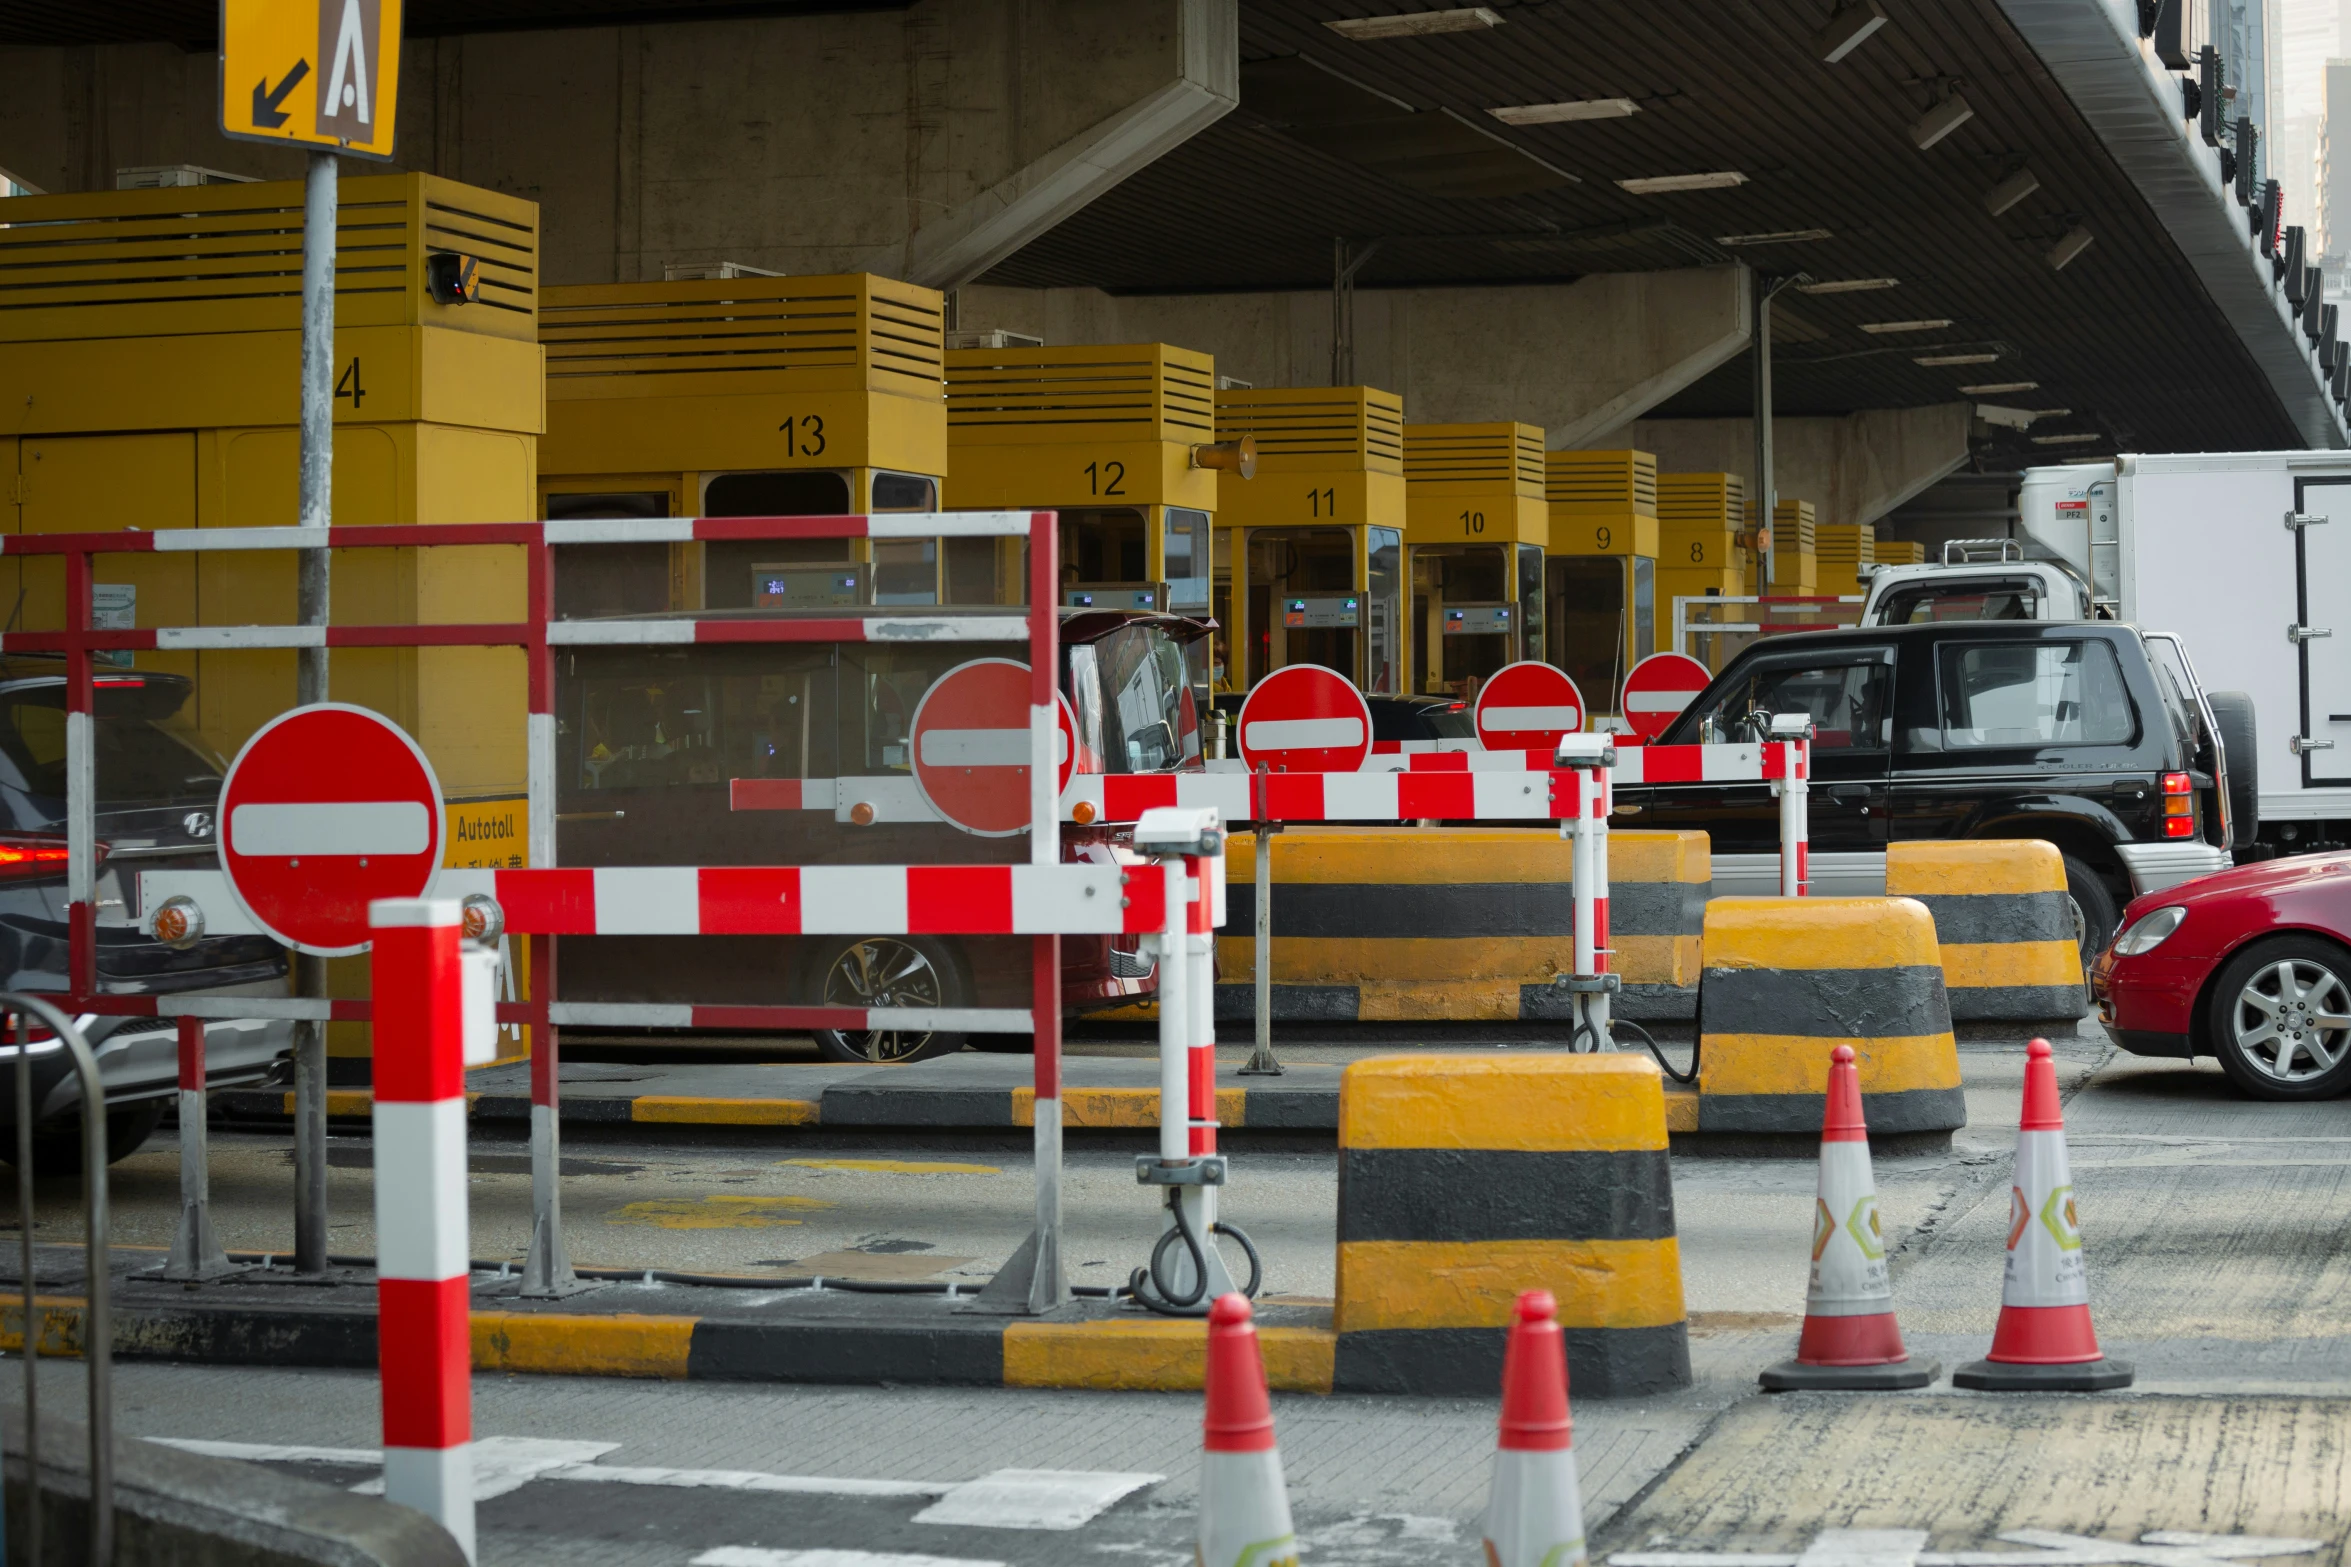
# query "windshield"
(2177, 688)
(1845, 693)
(1133, 694)
(2006, 598)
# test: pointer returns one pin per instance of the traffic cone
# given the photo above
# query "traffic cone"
(1244, 1508)
(1850, 1340)
(2044, 1341)
(1535, 1517)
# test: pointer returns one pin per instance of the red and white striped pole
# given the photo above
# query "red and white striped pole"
(195, 1250)
(1189, 848)
(424, 1344)
(1589, 757)
(1792, 733)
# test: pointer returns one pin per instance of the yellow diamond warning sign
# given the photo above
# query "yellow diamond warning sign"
(323, 73)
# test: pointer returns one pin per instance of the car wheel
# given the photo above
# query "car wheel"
(2094, 912)
(2232, 714)
(57, 1147)
(2280, 1019)
(889, 971)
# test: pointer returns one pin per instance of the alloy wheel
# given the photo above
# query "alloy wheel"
(2292, 1020)
(882, 971)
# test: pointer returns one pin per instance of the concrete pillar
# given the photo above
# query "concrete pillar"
(925, 143)
(1853, 469)
(1576, 358)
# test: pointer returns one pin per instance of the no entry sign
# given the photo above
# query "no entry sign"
(326, 809)
(970, 747)
(1527, 706)
(1305, 719)
(1658, 688)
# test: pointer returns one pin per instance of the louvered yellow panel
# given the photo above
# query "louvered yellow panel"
(1843, 548)
(1325, 454)
(744, 373)
(1098, 425)
(1602, 503)
(1475, 483)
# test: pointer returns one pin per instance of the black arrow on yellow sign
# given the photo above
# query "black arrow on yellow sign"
(266, 113)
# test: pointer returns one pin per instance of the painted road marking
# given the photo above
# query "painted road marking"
(894, 1166)
(2157, 1548)
(1033, 1499)
(758, 1556)
(746, 1480)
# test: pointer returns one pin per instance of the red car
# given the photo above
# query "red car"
(2252, 966)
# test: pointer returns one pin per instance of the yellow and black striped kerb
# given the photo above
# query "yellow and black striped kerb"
(1788, 980)
(1464, 1180)
(2004, 922)
(1395, 923)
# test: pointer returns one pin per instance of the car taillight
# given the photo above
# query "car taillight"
(23, 855)
(2179, 806)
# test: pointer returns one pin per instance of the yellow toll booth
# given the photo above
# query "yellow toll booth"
(1702, 547)
(1117, 439)
(751, 397)
(1475, 527)
(1600, 572)
(150, 344)
(1795, 552)
(1318, 535)
(1844, 548)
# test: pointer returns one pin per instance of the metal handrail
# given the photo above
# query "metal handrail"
(97, 1318)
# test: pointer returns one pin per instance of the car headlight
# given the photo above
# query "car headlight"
(2149, 933)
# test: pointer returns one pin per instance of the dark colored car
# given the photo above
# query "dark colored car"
(158, 794)
(2251, 966)
(2065, 731)
(1393, 718)
(650, 740)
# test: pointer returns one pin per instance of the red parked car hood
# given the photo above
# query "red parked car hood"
(2262, 877)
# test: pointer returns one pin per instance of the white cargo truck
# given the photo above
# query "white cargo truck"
(2243, 558)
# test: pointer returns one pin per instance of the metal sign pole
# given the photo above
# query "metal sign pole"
(546, 1270)
(319, 197)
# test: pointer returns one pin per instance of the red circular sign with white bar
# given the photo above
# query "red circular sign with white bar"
(1658, 688)
(1527, 706)
(970, 747)
(326, 809)
(1305, 719)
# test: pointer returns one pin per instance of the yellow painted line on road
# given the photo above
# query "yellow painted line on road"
(619, 1345)
(61, 1324)
(360, 1101)
(1105, 1108)
(701, 1110)
(894, 1166)
(1158, 1355)
(715, 1213)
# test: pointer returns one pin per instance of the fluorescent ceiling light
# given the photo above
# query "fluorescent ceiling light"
(2077, 239)
(2017, 418)
(1777, 237)
(1941, 120)
(1848, 285)
(1994, 388)
(1956, 359)
(1906, 326)
(2066, 440)
(1658, 184)
(2010, 191)
(1846, 30)
(1414, 24)
(1578, 109)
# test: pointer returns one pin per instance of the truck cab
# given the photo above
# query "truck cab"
(1977, 579)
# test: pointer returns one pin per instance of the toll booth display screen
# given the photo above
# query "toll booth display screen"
(807, 587)
(1478, 620)
(1312, 614)
(1110, 598)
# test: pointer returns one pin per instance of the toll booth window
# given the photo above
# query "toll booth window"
(1530, 600)
(1644, 607)
(727, 564)
(2005, 600)
(1186, 540)
(593, 580)
(1846, 698)
(1304, 605)
(1586, 630)
(905, 492)
(1383, 610)
(2033, 694)
(906, 571)
(1102, 544)
(889, 681)
(1135, 692)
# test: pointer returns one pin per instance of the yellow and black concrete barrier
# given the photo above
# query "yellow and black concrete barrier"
(2004, 922)
(1456, 923)
(1464, 1180)
(1788, 980)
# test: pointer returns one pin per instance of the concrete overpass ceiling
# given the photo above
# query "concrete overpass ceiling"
(1392, 140)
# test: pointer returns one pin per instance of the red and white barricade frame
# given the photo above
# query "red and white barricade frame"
(1044, 899)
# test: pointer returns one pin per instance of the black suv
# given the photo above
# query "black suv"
(158, 801)
(2089, 735)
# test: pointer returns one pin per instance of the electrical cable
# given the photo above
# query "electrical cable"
(1663, 1065)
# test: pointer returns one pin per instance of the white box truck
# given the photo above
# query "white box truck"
(2244, 558)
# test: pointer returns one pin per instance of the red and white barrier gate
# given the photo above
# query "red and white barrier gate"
(1043, 899)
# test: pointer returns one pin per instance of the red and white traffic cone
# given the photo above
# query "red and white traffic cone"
(1850, 1338)
(1244, 1507)
(1535, 1517)
(2044, 1341)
